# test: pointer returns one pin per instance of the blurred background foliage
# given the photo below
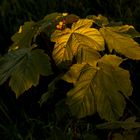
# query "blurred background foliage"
(14, 13)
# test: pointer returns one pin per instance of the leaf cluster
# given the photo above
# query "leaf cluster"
(87, 52)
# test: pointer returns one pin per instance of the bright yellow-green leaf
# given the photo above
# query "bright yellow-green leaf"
(24, 67)
(68, 40)
(100, 88)
(126, 30)
(123, 44)
(86, 54)
(115, 60)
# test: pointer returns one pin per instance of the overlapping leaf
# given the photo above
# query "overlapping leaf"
(99, 20)
(24, 66)
(100, 88)
(23, 38)
(128, 124)
(119, 40)
(30, 30)
(68, 40)
(86, 54)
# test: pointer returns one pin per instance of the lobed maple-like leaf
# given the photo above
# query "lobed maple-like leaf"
(23, 67)
(99, 88)
(23, 38)
(119, 40)
(68, 40)
(28, 32)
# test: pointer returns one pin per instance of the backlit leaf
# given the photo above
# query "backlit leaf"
(72, 75)
(86, 54)
(68, 40)
(126, 30)
(120, 42)
(100, 88)
(23, 67)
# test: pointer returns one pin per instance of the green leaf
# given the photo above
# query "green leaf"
(112, 60)
(23, 38)
(68, 40)
(100, 88)
(52, 17)
(23, 67)
(72, 75)
(128, 124)
(99, 20)
(122, 43)
(126, 30)
(28, 32)
(71, 18)
(86, 54)
(49, 22)
(126, 135)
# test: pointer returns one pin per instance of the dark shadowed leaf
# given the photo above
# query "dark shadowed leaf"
(128, 124)
(99, 20)
(23, 38)
(23, 67)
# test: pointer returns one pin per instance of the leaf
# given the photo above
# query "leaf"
(126, 135)
(100, 88)
(49, 22)
(123, 44)
(23, 38)
(28, 32)
(99, 20)
(69, 19)
(68, 40)
(86, 54)
(126, 30)
(127, 124)
(112, 59)
(23, 67)
(51, 17)
(72, 75)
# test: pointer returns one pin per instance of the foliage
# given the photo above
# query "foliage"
(87, 53)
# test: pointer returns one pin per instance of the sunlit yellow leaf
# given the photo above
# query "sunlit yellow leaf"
(120, 42)
(68, 40)
(99, 88)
